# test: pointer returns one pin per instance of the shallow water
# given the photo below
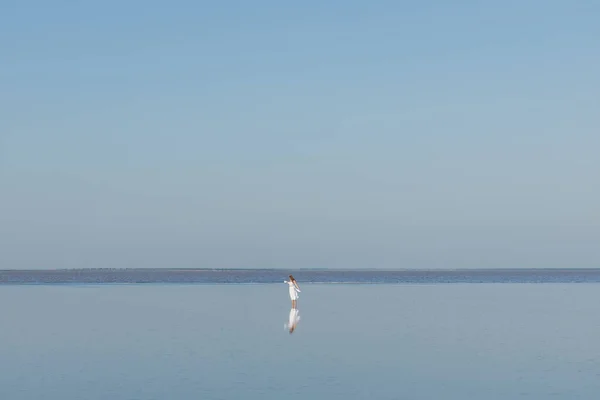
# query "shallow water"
(485, 341)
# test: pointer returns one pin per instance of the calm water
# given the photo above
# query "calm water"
(371, 276)
(157, 341)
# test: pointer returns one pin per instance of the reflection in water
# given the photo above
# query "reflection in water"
(293, 320)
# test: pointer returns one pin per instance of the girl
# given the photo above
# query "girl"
(294, 289)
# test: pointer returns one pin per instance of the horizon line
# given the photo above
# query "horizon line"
(300, 269)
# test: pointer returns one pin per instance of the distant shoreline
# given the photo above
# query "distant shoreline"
(306, 275)
(305, 269)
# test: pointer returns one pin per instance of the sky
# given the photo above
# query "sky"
(269, 134)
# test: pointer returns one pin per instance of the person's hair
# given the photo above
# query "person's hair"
(292, 278)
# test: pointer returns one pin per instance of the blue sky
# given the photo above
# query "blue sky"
(311, 134)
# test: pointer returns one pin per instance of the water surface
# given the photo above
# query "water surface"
(238, 276)
(484, 341)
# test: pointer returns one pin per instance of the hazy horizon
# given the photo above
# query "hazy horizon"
(291, 270)
(318, 135)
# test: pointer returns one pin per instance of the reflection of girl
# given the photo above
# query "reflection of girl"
(294, 290)
(293, 320)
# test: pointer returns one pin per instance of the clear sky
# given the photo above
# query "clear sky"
(391, 134)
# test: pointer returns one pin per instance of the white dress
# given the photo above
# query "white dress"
(293, 290)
